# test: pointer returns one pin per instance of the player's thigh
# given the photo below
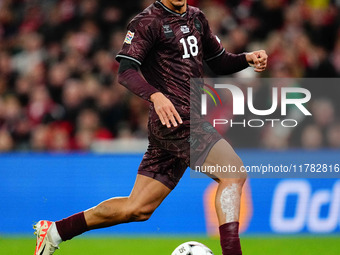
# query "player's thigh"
(148, 192)
(224, 162)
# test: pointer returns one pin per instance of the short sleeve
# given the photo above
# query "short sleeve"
(139, 39)
(212, 47)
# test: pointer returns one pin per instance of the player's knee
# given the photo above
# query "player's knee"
(236, 182)
(141, 213)
(237, 161)
(239, 176)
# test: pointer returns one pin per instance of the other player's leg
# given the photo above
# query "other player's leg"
(146, 195)
(228, 195)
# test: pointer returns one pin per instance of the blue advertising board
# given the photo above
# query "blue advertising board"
(54, 186)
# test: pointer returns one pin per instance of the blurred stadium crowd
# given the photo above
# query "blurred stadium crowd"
(58, 75)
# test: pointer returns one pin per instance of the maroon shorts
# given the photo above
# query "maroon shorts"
(172, 150)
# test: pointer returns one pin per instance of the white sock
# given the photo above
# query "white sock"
(54, 235)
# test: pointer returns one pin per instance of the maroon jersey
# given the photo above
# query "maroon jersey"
(170, 49)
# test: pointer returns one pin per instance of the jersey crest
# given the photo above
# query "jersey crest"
(185, 29)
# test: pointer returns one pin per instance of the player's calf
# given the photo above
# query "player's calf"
(118, 210)
(228, 199)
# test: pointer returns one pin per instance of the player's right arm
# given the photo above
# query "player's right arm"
(165, 110)
(129, 77)
(143, 33)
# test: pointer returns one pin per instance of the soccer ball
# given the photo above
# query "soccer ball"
(192, 248)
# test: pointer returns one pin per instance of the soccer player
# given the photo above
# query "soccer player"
(168, 43)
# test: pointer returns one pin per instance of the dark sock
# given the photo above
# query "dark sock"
(229, 238)
(71, 226)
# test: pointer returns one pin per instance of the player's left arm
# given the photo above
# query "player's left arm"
(257, 59)
(224, 63)
(228, 63)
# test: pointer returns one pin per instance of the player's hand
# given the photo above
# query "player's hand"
(258, 60)
(165, 110)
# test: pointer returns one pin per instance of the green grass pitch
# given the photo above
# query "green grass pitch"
(261, 245)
